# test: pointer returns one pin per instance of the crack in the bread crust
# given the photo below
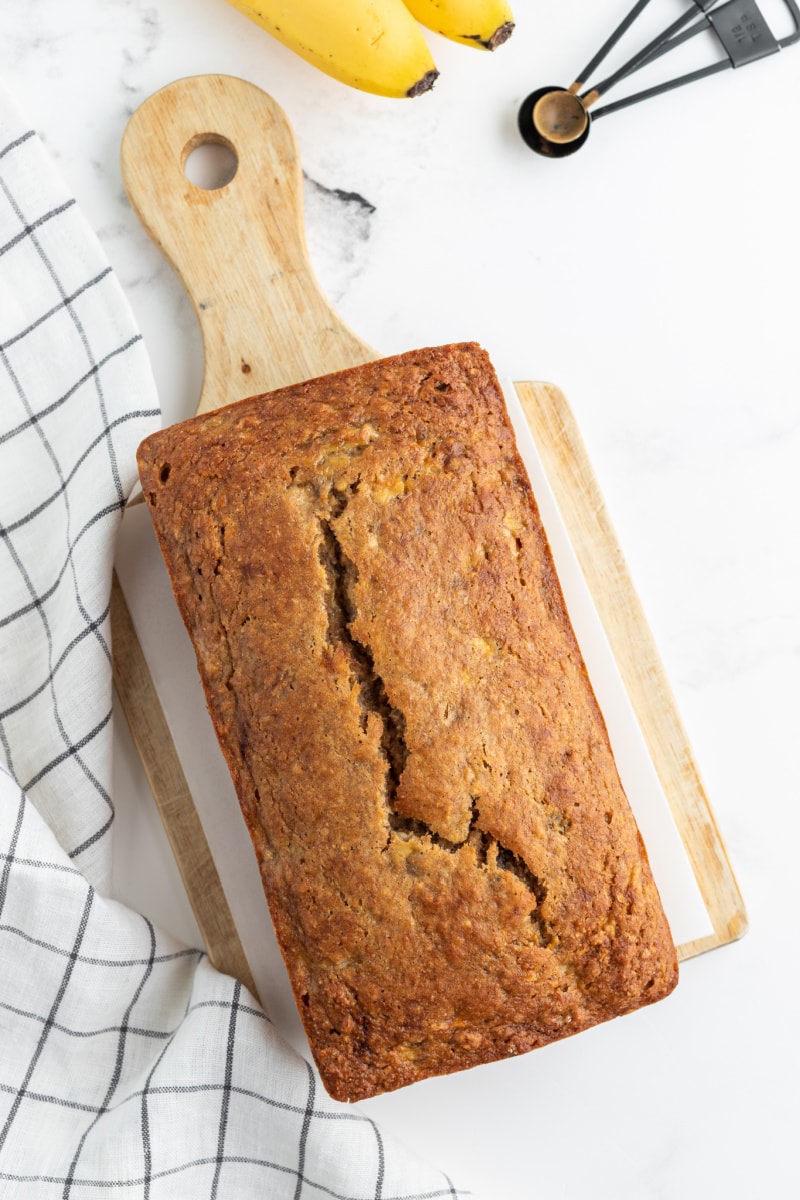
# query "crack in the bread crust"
(342, 574)
(371, 689)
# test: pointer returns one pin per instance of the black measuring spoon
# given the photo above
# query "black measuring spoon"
(555, 121)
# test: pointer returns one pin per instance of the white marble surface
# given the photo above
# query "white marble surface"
(654, 277)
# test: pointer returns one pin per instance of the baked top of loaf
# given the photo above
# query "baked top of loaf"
(452, 867)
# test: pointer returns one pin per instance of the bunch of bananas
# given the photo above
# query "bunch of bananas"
(377, 45)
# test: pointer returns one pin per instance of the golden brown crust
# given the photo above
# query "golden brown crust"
(451, 864)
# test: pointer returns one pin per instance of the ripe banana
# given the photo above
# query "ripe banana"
(485, 24)
(374, 45)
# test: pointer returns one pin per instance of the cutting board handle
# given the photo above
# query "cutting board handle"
(240, 249)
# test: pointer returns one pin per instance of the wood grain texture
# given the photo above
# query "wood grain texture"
(591, 533)
(240, 252)
(136, 692)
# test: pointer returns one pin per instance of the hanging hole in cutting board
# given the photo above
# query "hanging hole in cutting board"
(210, 162)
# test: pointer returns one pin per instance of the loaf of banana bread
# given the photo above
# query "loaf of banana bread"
(452, 867)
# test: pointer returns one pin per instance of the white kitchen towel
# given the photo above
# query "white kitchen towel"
(128, 1065)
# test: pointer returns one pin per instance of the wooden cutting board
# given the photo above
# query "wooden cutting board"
(240, 252)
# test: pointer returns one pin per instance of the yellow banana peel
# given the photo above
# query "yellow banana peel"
(374, 45)
(485, 24)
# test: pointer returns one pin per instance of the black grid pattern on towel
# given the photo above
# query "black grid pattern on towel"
(128, 1066)
(60, 518)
